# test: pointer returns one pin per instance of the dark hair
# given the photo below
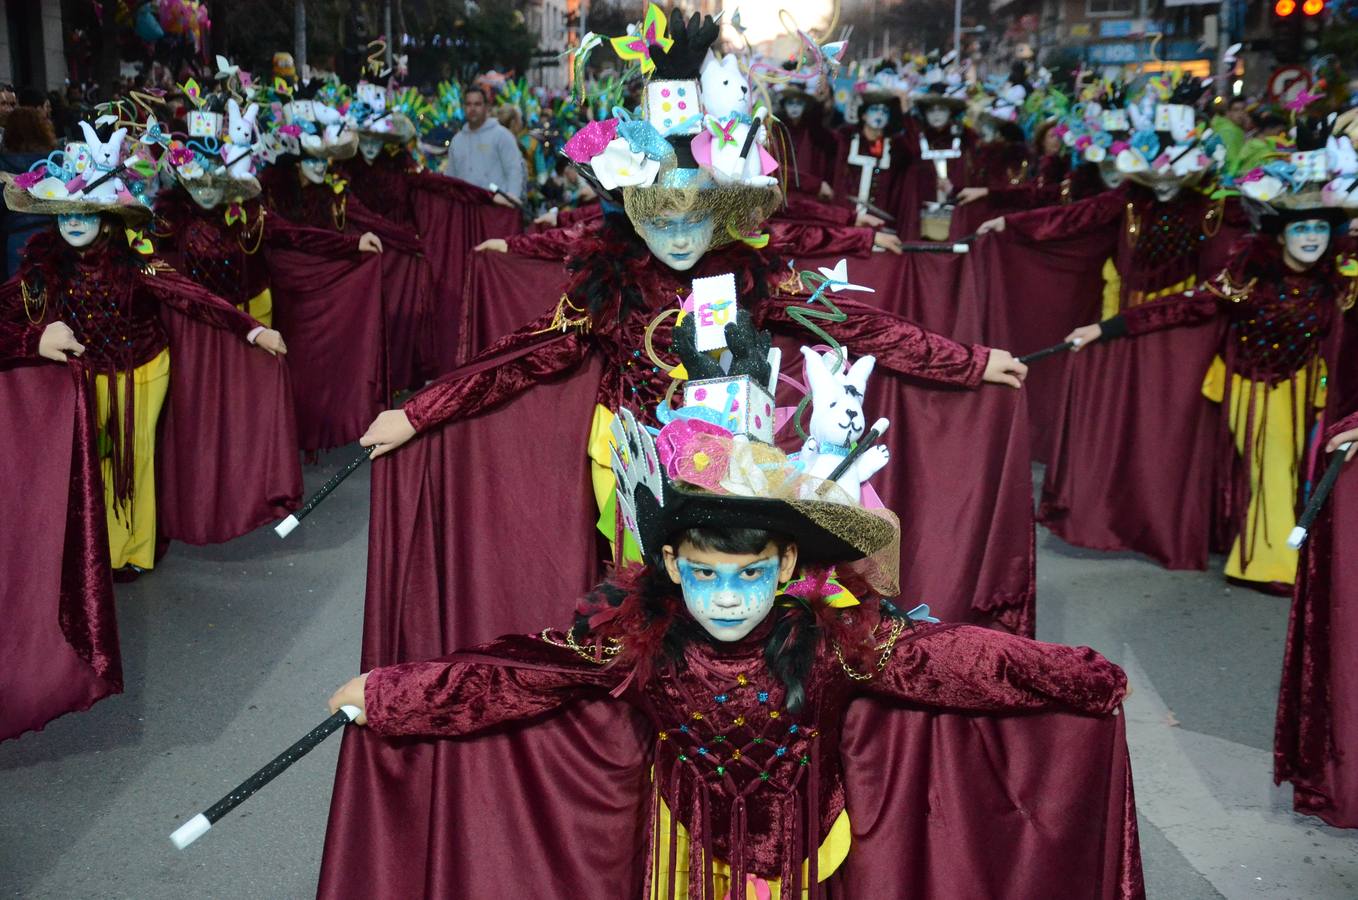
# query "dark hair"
(731, 540)
(31, 96)
(476, 89)
(27, 130)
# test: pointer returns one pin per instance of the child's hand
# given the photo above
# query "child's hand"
(351, 694)
(58, 340)
(388, 431)
(1339, 440)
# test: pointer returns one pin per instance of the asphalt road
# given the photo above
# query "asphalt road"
(229, 653)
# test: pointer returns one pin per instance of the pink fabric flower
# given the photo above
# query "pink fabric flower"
(591, 140)
(1118, 146)
(180, 156)
(290, 130)
(695, 452)
(28, 179)
(1083, 141)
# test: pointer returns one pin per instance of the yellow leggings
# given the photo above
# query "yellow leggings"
(1112, 291)
(261, 307)
(132, 528)
(1274, 462)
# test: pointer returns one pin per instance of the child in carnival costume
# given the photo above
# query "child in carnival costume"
(93, 288)
(1160, 220)
(761, 605)
(1284, 292)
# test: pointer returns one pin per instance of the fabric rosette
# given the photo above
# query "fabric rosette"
(695, 452)
(619, 166)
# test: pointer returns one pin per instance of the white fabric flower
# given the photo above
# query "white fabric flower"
(1131, 160)
(191, 170)
(1262, 189)
(743, 475)
(1094, 153)
(50, 189)
(617, 166)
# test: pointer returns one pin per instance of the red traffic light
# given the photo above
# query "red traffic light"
(1311, 7)
(1285, 8)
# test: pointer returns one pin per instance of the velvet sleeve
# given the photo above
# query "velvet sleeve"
(1028, 196)
(192, 299)
(1188, 308)
(394, 236)
(281, 232)
(964, 667)
(498, 374)
(453, 188)
(1056, 223)
(1348, 423)
(18, 336)
(796, 239)
(899, 344)
(553, 243)
(509, 679)
(799, 208)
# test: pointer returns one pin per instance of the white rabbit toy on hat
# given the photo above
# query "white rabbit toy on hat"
(838, 421)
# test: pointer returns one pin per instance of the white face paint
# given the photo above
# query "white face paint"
(938, 117)
(795, 109)
(1305, 242)
(79, 230)
(369, 147)
(678, 239)
(313, 169)
(1167, 191)
(877, 116)
(729, 594)
(206, 195)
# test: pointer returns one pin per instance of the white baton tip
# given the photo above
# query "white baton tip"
(960, 248)
(1075, 342)
(1296, 538)
(190, 831)
(353, 712)
(285, 527)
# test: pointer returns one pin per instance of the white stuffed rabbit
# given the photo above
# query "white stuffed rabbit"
(105, 157)
(240, 137)
(727, 103)
(838, 421)
(331, 122)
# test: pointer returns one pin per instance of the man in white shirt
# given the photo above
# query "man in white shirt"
(485, 153)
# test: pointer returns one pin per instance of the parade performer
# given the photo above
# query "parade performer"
(114, 469)
(762, 607)
(84, 273)
(815, 150)
(874, 164)
(1316, 704)
(941, 152)
(1281, 298)
(565, 375)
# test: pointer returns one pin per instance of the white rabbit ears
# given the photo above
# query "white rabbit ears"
(828, 371)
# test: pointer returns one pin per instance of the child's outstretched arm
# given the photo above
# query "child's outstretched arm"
(963, 667)
(511, 678)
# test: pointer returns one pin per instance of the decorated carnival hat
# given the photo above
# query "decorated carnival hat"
(938, 86)
(712, 463)
(376, 113)
(698, 143)
(1166, 146)
(313, 122)
(1316, 177)
(217, 153)
(97, 175)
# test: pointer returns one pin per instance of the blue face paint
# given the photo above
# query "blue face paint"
(1311, 227)
(729, 599)
(1306, 241)
(678, 240)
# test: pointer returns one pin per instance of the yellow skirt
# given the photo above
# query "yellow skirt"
(261, 307)
(1112, 291)
(1274, 463)
(132, 525)
(833, 850)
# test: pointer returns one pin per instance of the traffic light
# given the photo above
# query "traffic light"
(1284, 8)
(1310, 7)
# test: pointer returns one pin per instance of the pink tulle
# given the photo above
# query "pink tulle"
(591, 140)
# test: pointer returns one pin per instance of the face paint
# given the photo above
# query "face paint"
(79, 230)
(1166, 192)
(795, 109)
(729, 599)
(369, 147)
(206, 195)
(938, 117)
(678, 240)
(1305, 242)
(877, 116)
(313, 170)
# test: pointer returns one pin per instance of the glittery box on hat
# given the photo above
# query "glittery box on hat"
(1116, 120)
(746, 407)
(204, 124)
(1311, 165)
(672, 107)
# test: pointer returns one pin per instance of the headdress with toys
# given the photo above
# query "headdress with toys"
(1314, 178)
(1166, 149)
(86, 178)
(218, 150)
(697, 144)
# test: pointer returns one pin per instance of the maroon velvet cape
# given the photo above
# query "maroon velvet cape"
(60, 638)
(226, 463)
(1317, 724)
(329, 310)
(569, 791)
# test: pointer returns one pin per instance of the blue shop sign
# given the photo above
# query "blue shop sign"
(1123, 52)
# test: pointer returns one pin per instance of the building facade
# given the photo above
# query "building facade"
(32, 52)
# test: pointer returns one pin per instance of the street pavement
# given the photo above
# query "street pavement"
(230, 652)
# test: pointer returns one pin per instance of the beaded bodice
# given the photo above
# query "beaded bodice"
(222, 257)
(1277, 327)
(118, 324)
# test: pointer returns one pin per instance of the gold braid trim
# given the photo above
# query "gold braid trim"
(339, 213)
(599, 654)
(1350, 295)
(1223, 287)
(562, 321)
(1212, 219)
(258, 233)
(1133, 225)
(1065, 190)
(155, 266)
(29, 304)
(887, 647)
